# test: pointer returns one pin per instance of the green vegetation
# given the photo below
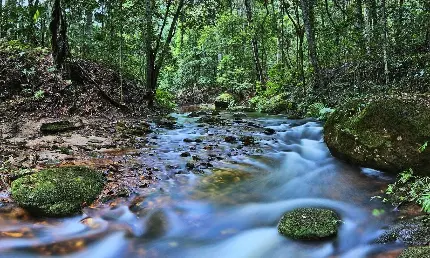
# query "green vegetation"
(309, 224)
(58, 191)
(279, 54)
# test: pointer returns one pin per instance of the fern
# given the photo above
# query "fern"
(424, 201)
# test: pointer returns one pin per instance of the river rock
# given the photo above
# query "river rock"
(59, 126)
(57, 192)
(383, 133)
(309, 224)
(412, 232)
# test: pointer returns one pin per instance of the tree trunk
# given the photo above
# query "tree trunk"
(88, 32)
(427, 11)
(359, 25)
(31, 31)
(255, 49)
(1, 20)
(59, 41)
(385, 41)
(308, 20)
(371, 32)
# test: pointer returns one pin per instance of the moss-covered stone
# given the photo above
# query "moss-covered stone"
(309, 224)
(416, 252)
(57, 192)
(412, 232)
(224, 101)
(383, 133)
(58, 127)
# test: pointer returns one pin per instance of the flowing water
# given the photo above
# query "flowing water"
(230, 211)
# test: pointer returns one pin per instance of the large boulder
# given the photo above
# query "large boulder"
(383, 133)
(57, 192)
(309, 224)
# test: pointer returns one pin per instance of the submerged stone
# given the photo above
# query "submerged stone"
(57, 192)
(383, 133)
(309, 224)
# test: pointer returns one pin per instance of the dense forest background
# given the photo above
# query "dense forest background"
(259, 51)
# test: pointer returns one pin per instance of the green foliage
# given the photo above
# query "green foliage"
(38, 95)
(165, 99)
(273, 105)
(410, 188)
(320, 111)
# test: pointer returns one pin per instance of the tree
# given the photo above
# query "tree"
(157, 45)
(309, 22)
(59, 40)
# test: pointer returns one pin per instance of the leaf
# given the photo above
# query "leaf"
(36, 15)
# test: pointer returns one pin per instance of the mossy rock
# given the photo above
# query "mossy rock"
(412, 232)
(57, 192)
(309, 224)
(383, 133)
(58, 127)
(224, 101)
(416, 252)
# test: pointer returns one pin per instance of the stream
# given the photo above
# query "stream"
(229, 209)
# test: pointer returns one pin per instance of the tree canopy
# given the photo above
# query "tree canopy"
(198, 49)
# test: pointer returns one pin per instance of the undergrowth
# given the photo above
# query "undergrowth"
(410, 188)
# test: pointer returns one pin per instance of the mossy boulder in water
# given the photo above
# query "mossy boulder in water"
(59, 191)
(416, 252)
(224, 101)
(383, 133)
(309, 224)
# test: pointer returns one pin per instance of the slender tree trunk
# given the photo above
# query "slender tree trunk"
(31, 31)
(399, 28)
(427, 36)
(385, 40)
(1, 20)
(255, 49)
(150, 55)
(359, 25)
(372, 16)
(308, 20)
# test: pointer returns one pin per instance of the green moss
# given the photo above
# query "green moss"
(309, 224)
(416, 252)
(57, 192)
(224, 101)
(382, 133)
(56, 127)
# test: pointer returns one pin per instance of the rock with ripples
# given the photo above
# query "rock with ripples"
(57, 192)
(412, 232)
(309, 224)
(383, 133)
